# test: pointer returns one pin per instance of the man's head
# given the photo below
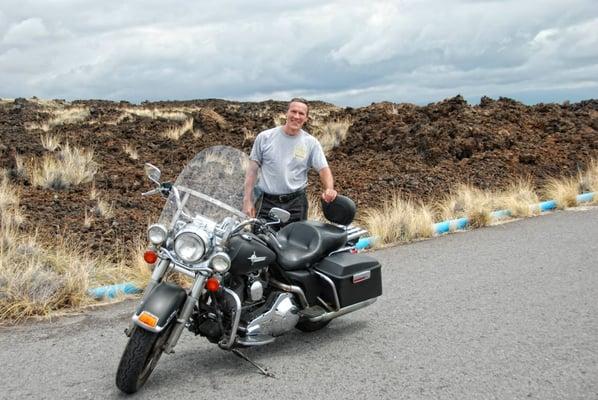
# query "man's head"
(296, 115)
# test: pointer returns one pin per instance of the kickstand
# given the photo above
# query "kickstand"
(262, 370)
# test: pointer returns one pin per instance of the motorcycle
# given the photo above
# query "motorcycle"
(250, 282)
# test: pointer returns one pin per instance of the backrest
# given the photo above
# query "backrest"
(340, 211)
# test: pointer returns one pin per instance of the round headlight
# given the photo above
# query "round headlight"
(156, 234)
(189, 247)
(220, 262)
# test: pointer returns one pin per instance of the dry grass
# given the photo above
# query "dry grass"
(210, 114)
(332, 133)
(279, 119)
(103, 209)
(248, 135)
(35, 280)
(398, 220)
(314, 211)
(70, 166)
(60, 116)
(155, 113)
(50, 142)
(130, 268)
(518, 198)
(588, 180)
(564, 191)
(467, 201)
(175, 133)
(131, 151)
(69, 116)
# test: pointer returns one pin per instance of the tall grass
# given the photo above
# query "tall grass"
(467, 201)
(399, 220)
(588, 179)
(61, 116)
(564, 191)
(332, 133)
(518, 198)
(175, 133)
(70, 166)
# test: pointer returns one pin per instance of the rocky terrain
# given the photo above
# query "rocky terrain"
(420, 151)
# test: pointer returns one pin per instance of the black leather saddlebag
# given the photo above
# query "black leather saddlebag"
(357, 278)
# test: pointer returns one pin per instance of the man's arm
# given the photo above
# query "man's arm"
(327, 180)
(250, 179)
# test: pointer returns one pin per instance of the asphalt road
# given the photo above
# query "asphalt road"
(506, 312)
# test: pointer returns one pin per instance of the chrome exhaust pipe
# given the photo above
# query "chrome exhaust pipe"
(293, 289)
(346, 310)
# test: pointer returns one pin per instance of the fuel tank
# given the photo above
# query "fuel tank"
(249, 253)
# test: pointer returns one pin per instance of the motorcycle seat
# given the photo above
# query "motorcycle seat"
(305, 242)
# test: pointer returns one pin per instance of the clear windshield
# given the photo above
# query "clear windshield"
(211, 185)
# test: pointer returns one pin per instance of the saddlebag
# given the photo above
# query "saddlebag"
(357, 277)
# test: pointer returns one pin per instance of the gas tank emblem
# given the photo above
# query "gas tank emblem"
(254, 259)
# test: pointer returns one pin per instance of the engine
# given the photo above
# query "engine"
(278, 315)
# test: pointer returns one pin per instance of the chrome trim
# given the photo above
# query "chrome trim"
(202, 267)
(183, 271)
(337, 303)
(343, 311)
(357, 234)
(342, 250)
(224, 344)
(293, 289)
(185, 313)
(324, 304)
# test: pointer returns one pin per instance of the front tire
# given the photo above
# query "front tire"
(140, 357)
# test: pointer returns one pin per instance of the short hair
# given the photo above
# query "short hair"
(299, 100)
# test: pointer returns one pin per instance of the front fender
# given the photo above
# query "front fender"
(160, 307)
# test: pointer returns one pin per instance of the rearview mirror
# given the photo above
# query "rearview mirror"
(280, 214)
(153, 173)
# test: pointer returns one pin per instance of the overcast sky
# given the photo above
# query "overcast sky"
(346, 52)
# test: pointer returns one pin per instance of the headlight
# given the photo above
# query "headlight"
(220, 262)
(157, 234)
(190, 244)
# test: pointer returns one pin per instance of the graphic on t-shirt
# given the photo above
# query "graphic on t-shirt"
(300, 151)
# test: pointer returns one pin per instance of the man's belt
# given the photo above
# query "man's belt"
(284, 198)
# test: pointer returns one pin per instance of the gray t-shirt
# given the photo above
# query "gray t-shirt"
(285, 160)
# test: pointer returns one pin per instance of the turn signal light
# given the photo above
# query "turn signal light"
(150, 256)
(148, 319)
(212, 285)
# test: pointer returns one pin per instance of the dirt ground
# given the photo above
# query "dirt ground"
(420, 151)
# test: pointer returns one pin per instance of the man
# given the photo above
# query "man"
(285, 154)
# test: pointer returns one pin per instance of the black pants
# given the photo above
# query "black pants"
(297, 207)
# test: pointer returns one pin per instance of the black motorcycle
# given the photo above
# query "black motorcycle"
(250, 283)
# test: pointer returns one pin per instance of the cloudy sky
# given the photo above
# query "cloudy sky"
(346, 52)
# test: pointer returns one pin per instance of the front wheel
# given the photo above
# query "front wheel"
(140, 357)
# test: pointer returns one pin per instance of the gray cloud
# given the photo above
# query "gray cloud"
(347, 52)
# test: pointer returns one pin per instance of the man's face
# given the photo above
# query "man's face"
(296, 115)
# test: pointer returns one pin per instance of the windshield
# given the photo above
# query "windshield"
(211, 185)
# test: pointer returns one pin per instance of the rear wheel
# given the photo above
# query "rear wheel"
(140, 357)
(309, 326)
